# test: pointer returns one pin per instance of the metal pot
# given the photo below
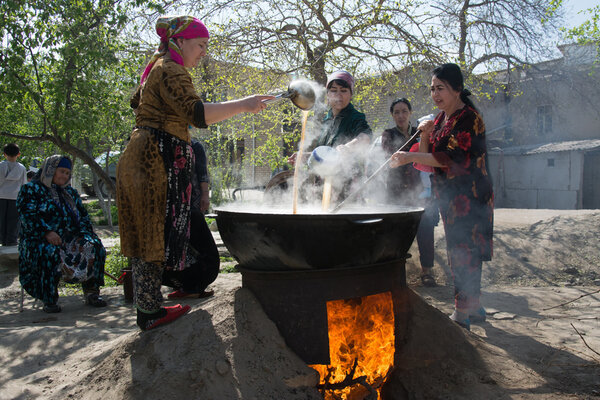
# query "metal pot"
(265, 240)
(300, 93)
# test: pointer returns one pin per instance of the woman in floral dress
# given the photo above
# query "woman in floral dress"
(455, 145)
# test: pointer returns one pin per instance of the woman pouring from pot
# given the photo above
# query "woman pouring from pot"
(455, 145)
(153, 174)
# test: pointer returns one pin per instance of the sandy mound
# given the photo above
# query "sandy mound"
(558, 251)
(539, 343)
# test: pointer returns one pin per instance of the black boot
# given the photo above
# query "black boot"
(146, 320)
(95, 300)
(52, 308)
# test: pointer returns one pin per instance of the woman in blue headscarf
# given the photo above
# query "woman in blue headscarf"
(56, 238)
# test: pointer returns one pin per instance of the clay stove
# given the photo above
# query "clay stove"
(299, 265)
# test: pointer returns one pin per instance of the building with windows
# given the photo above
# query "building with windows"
(542, 126)
(543, 132)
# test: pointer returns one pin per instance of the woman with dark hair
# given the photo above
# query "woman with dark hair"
(57, 239)
(455, 145)
(405, 185)
(344, 128)
(402, 183)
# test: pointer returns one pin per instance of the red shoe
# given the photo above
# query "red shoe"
(173, 313)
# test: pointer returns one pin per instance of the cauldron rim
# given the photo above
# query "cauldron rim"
(350, 212)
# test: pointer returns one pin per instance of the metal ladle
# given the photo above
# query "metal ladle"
(300, 93)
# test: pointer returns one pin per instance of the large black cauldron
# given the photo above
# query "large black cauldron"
(263, 239)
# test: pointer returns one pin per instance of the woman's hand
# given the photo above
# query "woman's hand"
(400, 158)
(344, 148)
(356, 144)
(426, 127)
(204, 197)
(53, 238)
(255, 104)
(204, 203)
(294, 157)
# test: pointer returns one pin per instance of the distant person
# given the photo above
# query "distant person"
(405, 186)
(203, 254)
(12, 176)
(57, 239)
(455, 145)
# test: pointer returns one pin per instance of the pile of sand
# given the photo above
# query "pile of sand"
(226, 347)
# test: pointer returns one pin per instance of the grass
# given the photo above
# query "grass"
(97, 215)
(228, 269)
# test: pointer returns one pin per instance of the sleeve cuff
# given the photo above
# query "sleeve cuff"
(199, 120)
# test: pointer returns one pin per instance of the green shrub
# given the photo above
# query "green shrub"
(116, 262)
(97, 215)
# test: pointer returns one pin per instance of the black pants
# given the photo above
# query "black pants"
(205, 268)
(9, 222)
(425, 239)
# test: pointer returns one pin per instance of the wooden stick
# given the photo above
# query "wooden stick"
(584, 342)
(405, 146)
(570, 301)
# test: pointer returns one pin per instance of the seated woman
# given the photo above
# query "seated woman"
(56, 238)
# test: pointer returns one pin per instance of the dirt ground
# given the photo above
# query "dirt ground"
(541, 339)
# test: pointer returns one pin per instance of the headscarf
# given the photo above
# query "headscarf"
(170, 28)
(60, 196)
(343, 76)
(48, 168)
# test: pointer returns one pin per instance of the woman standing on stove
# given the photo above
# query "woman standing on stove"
(455, 145)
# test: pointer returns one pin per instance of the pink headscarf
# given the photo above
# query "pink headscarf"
(170, 28)
(344, 76)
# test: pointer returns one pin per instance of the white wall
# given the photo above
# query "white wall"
(530, 182)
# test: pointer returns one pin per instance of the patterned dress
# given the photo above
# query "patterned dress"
(463, 188)
(154, 179)
(42, 264)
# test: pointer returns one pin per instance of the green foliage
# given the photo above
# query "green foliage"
(589, 31)
(67, 71)
(230, 267)
(97, 216)
(116, 262)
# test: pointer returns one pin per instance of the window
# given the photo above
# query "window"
(551, 162)
(544, 119)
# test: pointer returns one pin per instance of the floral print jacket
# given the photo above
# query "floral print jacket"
(463, 185)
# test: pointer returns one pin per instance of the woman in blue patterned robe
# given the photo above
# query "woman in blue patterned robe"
(56, 238)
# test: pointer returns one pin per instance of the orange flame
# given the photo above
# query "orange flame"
(361, 347)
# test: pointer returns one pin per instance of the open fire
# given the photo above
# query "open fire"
(361, 346)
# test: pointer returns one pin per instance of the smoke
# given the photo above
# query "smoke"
(353, 168)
